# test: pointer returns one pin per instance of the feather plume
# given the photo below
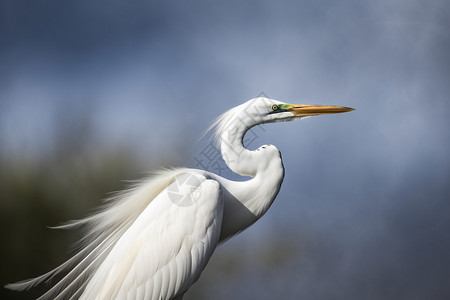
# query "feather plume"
(103, 229)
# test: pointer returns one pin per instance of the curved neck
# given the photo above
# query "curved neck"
(247, 201)
(235, 155)
(263, 164)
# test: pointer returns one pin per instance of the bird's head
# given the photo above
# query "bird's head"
(264, 110)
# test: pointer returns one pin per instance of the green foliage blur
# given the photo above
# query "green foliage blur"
(40, 190)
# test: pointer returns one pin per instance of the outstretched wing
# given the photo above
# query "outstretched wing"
(166, 248)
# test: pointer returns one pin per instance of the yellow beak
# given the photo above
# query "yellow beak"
(303, 110)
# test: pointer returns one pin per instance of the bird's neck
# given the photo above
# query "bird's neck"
(235, 155)
(247, 201)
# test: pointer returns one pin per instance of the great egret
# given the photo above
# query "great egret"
(154, 240)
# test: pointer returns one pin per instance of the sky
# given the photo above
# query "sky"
(366, 194)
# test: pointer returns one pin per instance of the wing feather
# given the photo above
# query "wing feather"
(104, 229)
(167, 246)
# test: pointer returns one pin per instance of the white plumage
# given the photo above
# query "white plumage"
(181, 237)
(154, 240)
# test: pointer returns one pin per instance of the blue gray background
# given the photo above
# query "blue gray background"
(122, 87)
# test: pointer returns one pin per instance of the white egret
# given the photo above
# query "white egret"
(154, 240)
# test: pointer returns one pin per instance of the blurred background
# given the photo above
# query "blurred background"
(93, 93)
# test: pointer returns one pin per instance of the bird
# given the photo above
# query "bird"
(153, 240)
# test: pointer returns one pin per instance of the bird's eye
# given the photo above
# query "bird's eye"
(274, 107)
